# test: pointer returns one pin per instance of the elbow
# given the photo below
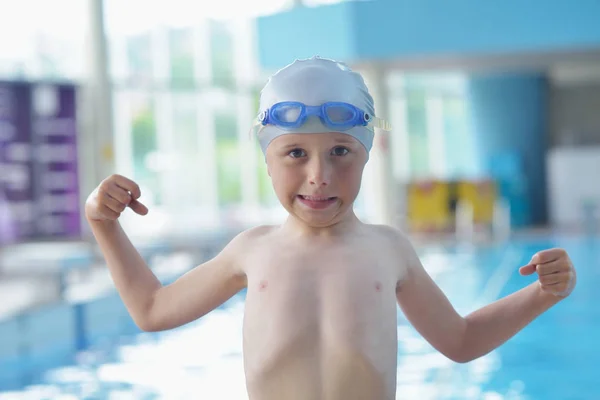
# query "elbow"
(146, 319)
(466, 351)
(461, 351)
(150, 325)
(145, 324)
(465, 356)
(456, 354)
(460, 358)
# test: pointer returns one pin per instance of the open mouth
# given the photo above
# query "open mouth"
(316, 198)
(317, 202)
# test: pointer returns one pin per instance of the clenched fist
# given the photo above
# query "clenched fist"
(555, 270)
(111, 197)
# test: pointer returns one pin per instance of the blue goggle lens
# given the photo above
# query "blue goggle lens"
(287, 113)
(340, 115)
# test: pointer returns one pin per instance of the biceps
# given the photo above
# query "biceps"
(194, 294)
(428, 309)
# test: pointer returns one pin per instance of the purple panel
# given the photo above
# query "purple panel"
(54, 133)
(16, 164)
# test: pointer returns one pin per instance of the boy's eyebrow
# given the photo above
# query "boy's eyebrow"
(345, 140)
(339, 140)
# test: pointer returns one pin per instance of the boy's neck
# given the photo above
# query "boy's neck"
(296, 226)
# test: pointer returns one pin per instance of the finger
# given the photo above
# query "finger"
(128, 185)
(109, 213)
(109, 188)
(527, 269)
(555, 278)
(546, 256)
(113, 204)
(552, 267)
(138, 207)
(115, 192)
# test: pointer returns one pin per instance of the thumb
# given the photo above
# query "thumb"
(138, 207)
(527, 269)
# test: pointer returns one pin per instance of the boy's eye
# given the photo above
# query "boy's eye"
(297, 153)
(340, 151)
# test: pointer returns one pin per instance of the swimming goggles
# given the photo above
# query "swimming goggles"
(290, 115)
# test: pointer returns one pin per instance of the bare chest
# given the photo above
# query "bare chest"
(327, 319)
(326, 294)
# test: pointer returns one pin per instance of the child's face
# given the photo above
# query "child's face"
(316, 176)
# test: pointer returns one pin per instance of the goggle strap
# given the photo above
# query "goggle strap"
(380, 123)
(253, 131)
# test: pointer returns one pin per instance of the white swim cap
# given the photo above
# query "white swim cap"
(315, 81)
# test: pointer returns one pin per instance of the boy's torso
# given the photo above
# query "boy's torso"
(320, 319)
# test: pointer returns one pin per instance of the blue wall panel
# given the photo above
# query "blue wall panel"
(392, 29)
(408, 28)
(509, 120)
(305, 32)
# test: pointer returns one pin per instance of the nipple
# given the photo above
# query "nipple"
(262, 286)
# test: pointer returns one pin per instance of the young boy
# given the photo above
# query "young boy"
(322, 288)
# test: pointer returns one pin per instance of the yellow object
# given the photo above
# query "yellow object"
(429, 205)
(481, 195)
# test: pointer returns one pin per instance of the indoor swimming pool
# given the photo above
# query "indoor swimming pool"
(556, 357)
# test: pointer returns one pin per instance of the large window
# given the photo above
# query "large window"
(221, 55)
(432, 139)
(181, 57)
(228, 158)
(144, 145)
(187, 141)
(186, 155)
(416, 116)
(458, 152)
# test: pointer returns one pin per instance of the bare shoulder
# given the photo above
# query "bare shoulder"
(246, 241)
(251, 236)
(392, 236)
(398, 244)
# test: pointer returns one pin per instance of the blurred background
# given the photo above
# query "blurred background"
(493, 156)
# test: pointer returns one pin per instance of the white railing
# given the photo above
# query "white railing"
(501, 224)
(465, 223)
(590, 211)
(466, 228)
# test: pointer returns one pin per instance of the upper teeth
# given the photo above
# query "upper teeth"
(313, 198)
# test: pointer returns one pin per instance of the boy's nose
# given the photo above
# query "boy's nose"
(319, 173)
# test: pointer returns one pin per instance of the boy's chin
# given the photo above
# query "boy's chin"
(321, 219)
(312, 222)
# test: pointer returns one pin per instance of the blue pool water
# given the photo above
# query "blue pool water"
(555, 357)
